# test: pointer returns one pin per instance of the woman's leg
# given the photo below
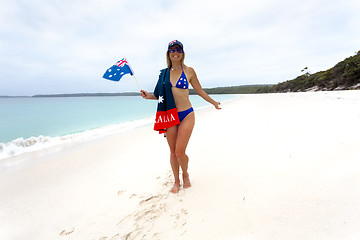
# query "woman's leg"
(183, 136)
(178, 139)
(171, 135)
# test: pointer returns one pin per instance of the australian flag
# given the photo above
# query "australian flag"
(118, 70)
(166, 114)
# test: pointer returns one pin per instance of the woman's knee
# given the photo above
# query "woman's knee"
(180, 153)
(173, 157)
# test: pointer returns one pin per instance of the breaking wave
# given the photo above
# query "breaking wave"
(21, 145)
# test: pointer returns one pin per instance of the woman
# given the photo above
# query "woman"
(178, 136)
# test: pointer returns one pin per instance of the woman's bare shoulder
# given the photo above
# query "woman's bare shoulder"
(189, 70)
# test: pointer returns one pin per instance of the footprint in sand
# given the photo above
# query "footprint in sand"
(146, 222)
(121, 192)
(67, 232)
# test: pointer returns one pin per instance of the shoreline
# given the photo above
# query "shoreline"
(33, 144)
(21, 145)
(272, 166)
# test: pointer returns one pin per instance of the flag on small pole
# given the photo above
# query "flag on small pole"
(119, 69)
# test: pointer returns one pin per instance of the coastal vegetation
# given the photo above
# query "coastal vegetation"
(244, 89)
(345, 75)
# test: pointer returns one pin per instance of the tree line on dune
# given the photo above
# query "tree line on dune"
(345, 75)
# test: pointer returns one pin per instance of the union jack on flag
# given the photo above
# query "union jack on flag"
(119, 69)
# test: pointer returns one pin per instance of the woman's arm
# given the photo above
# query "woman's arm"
(147, 95)
(199, 90)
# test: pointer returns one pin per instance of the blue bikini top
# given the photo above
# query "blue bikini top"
(182, 82)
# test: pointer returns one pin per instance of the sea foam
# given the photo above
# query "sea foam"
(21, 145)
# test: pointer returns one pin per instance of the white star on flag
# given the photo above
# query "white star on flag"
(161, 99)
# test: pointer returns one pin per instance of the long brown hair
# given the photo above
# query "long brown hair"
(168, 61)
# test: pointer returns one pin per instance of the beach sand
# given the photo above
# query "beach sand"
(268, 166)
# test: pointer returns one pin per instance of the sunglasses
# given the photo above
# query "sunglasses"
(172, 50)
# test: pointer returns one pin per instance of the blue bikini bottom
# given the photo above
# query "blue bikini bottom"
(183, 114)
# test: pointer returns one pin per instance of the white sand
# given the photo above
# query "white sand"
(272, 166)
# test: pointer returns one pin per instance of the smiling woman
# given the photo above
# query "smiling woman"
(175, 115)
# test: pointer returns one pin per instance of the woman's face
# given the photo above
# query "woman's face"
(175, 53)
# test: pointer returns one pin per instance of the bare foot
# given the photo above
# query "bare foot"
(175, 188)
(186, 180)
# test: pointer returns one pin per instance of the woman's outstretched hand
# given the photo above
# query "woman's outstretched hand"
(217, 105)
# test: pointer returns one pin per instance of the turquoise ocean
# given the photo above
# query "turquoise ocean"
(29, 123)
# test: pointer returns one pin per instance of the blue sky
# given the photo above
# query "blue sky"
(65, 46)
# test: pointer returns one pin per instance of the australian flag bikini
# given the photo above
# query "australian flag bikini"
(167, 115)
(183, 83)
